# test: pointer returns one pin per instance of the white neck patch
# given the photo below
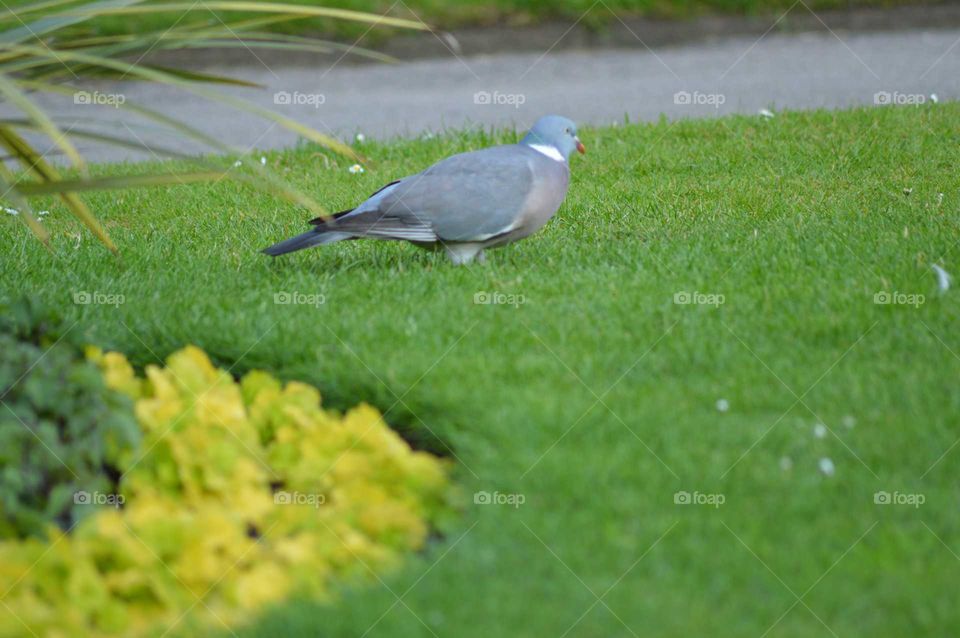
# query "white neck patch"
(549, 151)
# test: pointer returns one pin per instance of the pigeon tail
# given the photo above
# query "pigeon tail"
(305, 240)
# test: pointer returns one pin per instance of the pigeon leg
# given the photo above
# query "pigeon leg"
(464, 253)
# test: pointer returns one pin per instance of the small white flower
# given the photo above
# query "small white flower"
(43, 213)
(786, 463)
(943, 278)
(767, 113)
(826, 467)
(237, 163)
(723, 405)
(361, 137)
(11, 211)
(819, 430)
(934, 98)
(356, 168)
(263, 160)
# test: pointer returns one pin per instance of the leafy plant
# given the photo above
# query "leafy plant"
(64, 434)
(241, 495)
(42, 48)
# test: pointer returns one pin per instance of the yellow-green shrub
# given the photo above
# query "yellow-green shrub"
(240, 495)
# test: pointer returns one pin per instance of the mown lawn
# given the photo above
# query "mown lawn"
(595, 397)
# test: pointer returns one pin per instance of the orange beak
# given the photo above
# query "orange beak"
(580, 147)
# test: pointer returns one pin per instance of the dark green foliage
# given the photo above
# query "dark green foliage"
(62, 432)
(446, 14)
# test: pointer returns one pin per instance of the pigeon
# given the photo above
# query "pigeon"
(465, 203)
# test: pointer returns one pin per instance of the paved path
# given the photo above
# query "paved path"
(736, 75)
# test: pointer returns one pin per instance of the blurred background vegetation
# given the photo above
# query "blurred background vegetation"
(452, 14)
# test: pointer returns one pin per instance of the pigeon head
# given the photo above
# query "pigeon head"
(554, 133)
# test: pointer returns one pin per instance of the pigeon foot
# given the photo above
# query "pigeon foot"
(465, 253)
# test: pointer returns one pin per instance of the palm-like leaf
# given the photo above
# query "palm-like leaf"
(42, 48)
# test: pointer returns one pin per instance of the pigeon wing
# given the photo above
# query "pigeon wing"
(467, 197)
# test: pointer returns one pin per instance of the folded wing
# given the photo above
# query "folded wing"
(467, 197)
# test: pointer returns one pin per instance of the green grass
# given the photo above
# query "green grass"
(596, 398)
(449, 14)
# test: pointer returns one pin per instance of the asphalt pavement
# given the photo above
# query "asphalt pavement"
(829, 69)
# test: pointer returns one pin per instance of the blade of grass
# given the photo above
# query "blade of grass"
(9, 184)
(191, 33)
(243, 25)
(17, 12)
(116, 183)
(264, 180)
(165, 78)
(207, 78)
(103, 137)
(34, 163)
(19, 99)
(251, 7)
(281, 42)
(54, 68)
(60, 20)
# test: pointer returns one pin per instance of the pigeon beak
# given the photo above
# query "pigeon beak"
(580, 147)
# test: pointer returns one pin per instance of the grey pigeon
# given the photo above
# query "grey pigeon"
(465, 203)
